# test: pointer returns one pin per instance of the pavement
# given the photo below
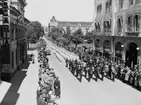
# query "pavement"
(4, 86)
(23, 85)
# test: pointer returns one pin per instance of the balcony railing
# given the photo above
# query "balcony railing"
(134, 34)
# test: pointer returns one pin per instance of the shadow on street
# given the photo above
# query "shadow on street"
(12, 96)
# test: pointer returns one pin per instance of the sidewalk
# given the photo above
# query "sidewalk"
(24, 85)
(4, 86)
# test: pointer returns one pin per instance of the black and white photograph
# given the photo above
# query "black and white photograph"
(70, 52)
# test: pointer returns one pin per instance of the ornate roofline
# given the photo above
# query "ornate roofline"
(76, 21)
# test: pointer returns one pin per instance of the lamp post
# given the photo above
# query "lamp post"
(138, 58)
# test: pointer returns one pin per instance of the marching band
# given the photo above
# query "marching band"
(92, 66)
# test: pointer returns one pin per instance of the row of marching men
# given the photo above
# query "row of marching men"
(90, 70)
(49, 84)
(97, 67)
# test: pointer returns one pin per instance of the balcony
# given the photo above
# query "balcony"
(133, 34)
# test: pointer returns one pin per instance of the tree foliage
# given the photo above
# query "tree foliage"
(67, 35)
(55, 33)
(77, 37)
(41, 43)
(88, 37)
(34, 31)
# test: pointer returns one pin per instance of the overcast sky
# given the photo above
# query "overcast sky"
(63, 10)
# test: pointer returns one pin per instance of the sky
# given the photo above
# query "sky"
(63, 10)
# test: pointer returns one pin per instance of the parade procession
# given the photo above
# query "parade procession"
(86, 64)
(93, 66)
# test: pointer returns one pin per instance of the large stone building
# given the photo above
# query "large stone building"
(85, 26)
(117, 30)
(14, 52)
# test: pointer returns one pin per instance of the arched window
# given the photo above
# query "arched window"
(119, 24)
(129, 23)
(136, 22)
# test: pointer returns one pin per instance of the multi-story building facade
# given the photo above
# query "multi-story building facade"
(15, 53)
(85, 26)
(117, 30)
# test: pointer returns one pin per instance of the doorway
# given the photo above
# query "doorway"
(131, 55)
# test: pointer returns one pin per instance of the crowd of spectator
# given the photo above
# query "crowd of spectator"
(48, 90)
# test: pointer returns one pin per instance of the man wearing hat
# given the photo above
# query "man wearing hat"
(57, 87)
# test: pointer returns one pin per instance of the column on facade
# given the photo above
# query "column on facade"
(18, 45)
(139, 58)
(124, 26)
(113, 49)
(124, 54)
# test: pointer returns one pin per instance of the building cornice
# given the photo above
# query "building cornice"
(23, 2)
(14, 11)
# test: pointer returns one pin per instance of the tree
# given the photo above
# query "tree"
(88, 37)
(55, 33)
(63, 41)
(77, 37)
(34, 31)
(67, 35)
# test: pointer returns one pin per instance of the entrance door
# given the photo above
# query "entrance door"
(107, 49)
(131, 55)
(118, 52)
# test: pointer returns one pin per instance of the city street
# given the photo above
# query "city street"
(90, 50)
(91, 93)
(25, 82)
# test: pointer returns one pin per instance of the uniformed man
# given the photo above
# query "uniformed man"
(89, 72)
(66, 60)
(96, 72)
(57, 87)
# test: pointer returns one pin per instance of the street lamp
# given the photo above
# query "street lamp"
(137, 48)
(122, 46)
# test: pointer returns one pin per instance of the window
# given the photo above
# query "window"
(120, 4)
(99, 29)
(137, 1)
(136, 22)
(131, 2)
(105, 26)
(99, 9)
(109, 25)
(108, 6)
(129, 23)
(119, 23)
